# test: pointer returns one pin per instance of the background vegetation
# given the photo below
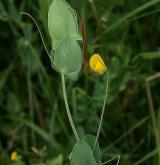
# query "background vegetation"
(33, 120)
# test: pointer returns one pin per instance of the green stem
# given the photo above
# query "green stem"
(118, 158)
(102, 114)
(67, 109)
(30, 103)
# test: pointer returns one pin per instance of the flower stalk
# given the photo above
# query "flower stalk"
(102, 114)
(68, 110)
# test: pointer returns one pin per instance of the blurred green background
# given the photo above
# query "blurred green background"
(33, 119)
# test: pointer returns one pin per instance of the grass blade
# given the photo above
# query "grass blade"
(131, 14)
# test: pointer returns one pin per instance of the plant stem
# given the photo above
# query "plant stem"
(67, 109)
(118, 157)
(102, 114)
(30, 104)
(152, 111)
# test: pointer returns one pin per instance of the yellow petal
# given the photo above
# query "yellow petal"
(97, 64)
(14, 156)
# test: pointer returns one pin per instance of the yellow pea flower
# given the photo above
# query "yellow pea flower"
(14, 156)
(97, 64)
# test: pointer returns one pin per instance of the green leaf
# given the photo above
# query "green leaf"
(4, 75)
(90, 140)
(43, 134)
(82, 154)
(19, 161)
(147, 156)
(4, 158)
(150, 55)
(158, 120)
(56, 161)
(44, 13)
(62, 21)
(68, 58)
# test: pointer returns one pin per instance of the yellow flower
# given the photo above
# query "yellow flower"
(97, 64)
(14, 156)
